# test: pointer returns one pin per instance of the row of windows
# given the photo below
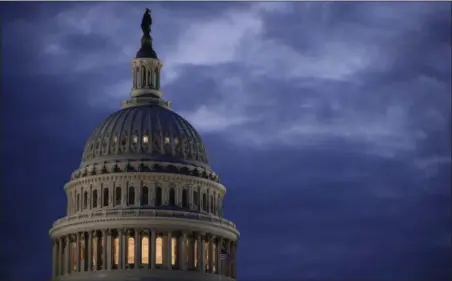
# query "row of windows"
(190, 258)
(207, 203)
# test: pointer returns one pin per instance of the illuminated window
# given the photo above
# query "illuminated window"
(158, 196)
(172, 197)
(173, 250)
(214, 259)
(145, 139)
(74, 256)
(206, 255)
(82, 251)
(167, 140)
(145, 249)
(176, 141)
(195, 252)
(131, 196)
(105, 199)
(95, 198)
(134, 139)
(116, 251)
(115, 139)
(130, 250)
(159, 250)
(144, 196)
(118, 196)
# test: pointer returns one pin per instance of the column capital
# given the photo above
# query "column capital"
(82, 235)
(95, 234)
(145, 231)
(109, 231)
(67, 239)
(122, 231)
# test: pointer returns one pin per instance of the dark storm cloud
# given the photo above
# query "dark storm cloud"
(329, 124)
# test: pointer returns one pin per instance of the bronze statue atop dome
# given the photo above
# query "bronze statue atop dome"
(146, 22)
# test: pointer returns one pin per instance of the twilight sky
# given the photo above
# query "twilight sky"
(329, 124)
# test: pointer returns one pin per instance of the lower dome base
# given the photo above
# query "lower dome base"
(143, 275)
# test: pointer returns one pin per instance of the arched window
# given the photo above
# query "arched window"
(117, 196)
(218, 205)
(159, 250)
(78, 202)
(184, 198)
(130, 250)
(158, 196)
(131, 196)
(95, 198)
(195, 198)
(211, 203)
(144, 199)
(85, 199)
(144, 249)
(105, 199)
(204, 202)
(116, 251)
(172, 197)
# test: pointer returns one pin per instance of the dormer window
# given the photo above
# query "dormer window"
(145, 139)
(176, 141)
(135, 139)
(167, 140)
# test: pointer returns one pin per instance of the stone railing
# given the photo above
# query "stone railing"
(145, 213)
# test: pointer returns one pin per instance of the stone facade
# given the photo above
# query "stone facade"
(144, 203)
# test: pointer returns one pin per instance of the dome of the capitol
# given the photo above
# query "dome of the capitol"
(149, 132)
(144, 204)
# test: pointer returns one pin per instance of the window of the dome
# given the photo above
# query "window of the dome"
(145, 139)
(135, 139)
(167, 140)
(176, 141)
(115, 139)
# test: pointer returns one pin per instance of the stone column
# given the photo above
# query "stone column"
(181, 251)
(54, 258)
(67, 248)
(233, 263)
(211, 253)
(201, 263)
(77, 252)
(137, 245)
(60, 256)
(89, 256)
(199, 199)
(152, 250)
(169, 251)
(108, 250)
(104, 249)
(191, 251)
(84, 263)
(228, 260)
(218, 259)
(122, 233)
(98, 257)
(125, 251)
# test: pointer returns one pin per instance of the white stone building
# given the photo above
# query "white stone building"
(144, 203)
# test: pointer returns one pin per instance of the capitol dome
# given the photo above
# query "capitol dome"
(148, 132)
(144, 204)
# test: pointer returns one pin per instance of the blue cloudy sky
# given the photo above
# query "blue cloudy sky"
(329, 123)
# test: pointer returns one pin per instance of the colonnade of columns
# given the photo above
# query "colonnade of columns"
(138, 249)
